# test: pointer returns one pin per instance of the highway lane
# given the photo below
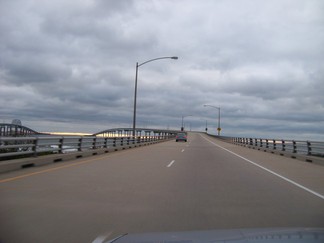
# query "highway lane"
(170, 186)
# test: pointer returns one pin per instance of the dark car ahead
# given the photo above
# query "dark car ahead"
(181, 136)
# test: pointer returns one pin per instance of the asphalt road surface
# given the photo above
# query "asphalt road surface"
(199, 185)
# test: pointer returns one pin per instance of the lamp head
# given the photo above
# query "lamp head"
(175, 58)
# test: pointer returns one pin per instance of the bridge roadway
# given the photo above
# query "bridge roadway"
(199, 185)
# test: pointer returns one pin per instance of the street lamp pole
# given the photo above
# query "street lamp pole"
(135, 92)
(219, 128)
(182, 124)
(206, 129)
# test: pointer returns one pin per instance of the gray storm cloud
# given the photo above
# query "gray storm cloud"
(70, 65)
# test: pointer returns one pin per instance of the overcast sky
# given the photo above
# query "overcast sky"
(69, 66)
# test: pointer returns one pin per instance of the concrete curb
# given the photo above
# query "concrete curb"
(305, 158)
(17, 164)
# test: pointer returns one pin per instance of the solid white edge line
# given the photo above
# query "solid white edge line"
(270, 171)
(169, 165)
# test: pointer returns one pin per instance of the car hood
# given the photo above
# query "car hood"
(262, 235)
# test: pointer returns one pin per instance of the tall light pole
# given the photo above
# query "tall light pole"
(182, 125)
(135, 93)
(219, 128)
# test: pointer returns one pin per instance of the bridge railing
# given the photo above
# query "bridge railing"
(309, 148)
(34, 146)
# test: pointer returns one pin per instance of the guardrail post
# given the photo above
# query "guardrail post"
(61, 145)
(283, 144)
(114, 142)
(35, 143)
(294, 147)
(274, 144)
(105, 143)
(309, 148)
(261, 142)
(80, 144)
(256, 142)
(94, 143)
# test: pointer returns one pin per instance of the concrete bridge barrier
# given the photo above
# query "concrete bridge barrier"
(308, 151)
(63, 149)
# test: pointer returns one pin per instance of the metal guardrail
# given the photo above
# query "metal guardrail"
(309, 148)
(34, 146)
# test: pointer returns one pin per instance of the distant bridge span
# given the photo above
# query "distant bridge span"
(15, 130)
(120, 132)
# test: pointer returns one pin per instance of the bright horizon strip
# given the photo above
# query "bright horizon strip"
(270, 171)
(69, 133)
